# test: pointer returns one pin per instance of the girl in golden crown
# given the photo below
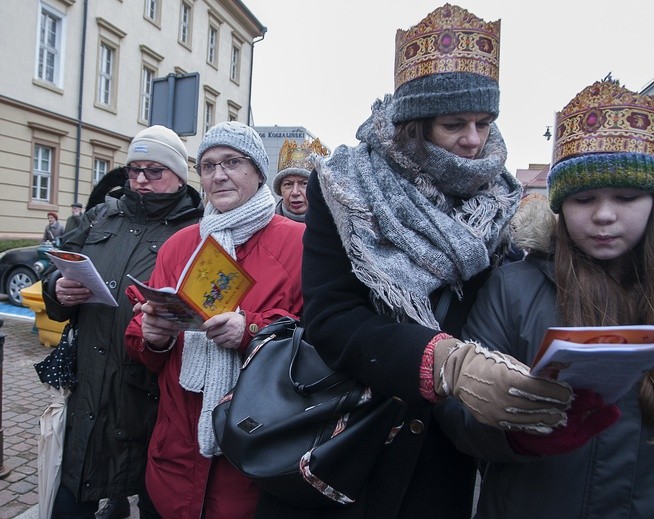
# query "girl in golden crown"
(594, 271)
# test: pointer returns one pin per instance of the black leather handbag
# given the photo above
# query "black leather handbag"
(306, 434)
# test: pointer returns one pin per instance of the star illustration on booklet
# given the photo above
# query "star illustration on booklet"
(210, 284)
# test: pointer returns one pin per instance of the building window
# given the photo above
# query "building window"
(185, 24)
(233, 110)
(100, 168)
(152, 10)
(42, 173)
(105, 74)
(212, 46)
(209, 115)
(235, 68)
(48, 63)
(147, 75)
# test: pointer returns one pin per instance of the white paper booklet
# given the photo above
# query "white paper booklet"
(79, 267)
(607, 359)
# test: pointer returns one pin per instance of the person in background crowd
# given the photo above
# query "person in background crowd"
(73, 221)
(54, 229)
(400, 232)
(292, 176)
(111, 413)
(186, 475)
(595, 270)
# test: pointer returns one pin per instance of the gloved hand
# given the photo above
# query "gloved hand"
(497, 389)
(587, 417)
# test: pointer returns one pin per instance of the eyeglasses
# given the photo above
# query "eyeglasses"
(150, 173)
(229, 165)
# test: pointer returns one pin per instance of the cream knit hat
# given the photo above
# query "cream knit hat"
(160, 144)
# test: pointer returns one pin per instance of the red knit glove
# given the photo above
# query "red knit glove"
(587, 417)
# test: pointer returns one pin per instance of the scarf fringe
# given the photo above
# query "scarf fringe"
(410, 229)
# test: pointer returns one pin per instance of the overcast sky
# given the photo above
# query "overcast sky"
(323, 63)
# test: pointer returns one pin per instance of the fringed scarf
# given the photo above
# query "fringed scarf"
(207, 368)
(410, 227)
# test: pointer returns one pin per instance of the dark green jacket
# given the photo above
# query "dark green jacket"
(113, 409)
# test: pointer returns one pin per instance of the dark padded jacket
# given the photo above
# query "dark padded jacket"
(611, 476)
(113, 409)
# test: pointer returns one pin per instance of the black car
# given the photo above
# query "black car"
(20, 268)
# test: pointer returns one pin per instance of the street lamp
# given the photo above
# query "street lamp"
(548, 134)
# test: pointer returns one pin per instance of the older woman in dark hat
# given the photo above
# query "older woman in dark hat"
(401, 230)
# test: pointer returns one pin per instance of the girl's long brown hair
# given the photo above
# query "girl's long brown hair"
(588, 295)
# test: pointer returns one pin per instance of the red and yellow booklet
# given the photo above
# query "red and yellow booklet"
(210, 284)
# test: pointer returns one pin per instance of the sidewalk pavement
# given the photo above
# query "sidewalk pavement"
(23, 399)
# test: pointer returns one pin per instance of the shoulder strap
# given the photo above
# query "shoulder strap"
(328, 381)
(443, 305)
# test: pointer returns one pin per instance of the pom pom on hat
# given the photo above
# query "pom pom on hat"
(160, 144)
(240, 137)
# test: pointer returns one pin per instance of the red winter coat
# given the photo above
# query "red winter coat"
(179, 479)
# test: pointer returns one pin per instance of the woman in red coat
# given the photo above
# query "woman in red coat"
(186, 477)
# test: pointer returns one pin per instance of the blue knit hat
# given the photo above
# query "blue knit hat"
(240, 137)
(604, 138)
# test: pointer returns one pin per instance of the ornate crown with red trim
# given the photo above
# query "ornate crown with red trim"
(450, 39)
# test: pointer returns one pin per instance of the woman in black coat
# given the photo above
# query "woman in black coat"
(401, 230)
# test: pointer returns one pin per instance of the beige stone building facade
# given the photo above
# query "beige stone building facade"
(76, 87)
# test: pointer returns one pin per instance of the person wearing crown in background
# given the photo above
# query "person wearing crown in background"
(401, 231)
(596, 270)
(293, 170)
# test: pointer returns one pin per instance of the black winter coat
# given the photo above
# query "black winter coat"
(421, 474)
(113, 409)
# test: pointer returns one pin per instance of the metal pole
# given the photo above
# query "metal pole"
(171, 101)
(3, 471)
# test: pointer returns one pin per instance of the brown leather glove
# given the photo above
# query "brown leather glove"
(497, 389)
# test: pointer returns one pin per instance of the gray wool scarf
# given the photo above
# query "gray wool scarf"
(410, 227)
(207, 368)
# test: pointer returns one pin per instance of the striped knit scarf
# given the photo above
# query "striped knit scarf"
(207, 368)
(410, 228)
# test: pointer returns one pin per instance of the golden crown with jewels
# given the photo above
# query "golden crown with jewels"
(292, 155)
(605, 118)
(450, 39)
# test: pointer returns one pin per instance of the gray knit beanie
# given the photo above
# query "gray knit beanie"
(160, 144)
(240, 137)
(281, 175)
(445, 93)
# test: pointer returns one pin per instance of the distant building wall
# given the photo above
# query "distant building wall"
(273, 138)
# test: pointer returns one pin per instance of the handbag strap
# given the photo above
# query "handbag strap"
(333, 379)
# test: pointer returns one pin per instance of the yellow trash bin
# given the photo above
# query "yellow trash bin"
(49, 330)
